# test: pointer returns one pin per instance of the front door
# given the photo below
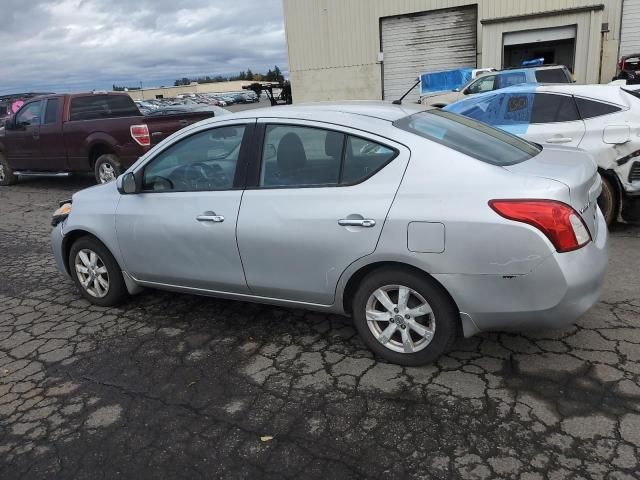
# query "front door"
(24, 144)
(317, 205)
(180, 230)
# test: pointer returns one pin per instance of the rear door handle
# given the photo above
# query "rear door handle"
(559, 140)
(156, 134)
(210, 217)
(356, 222)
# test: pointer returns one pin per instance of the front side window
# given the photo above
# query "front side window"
(30, 114)
(202, 162)
(469, 137)
(484, 84)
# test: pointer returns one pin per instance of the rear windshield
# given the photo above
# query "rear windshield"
(94, 106)
(470, 137)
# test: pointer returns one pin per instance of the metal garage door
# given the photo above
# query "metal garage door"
(630, 36)
(413, 44)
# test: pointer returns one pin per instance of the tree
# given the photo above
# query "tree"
(249, 74)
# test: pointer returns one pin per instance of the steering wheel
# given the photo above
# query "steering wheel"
(214, 174)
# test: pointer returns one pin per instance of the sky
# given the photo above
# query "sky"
(73, 45)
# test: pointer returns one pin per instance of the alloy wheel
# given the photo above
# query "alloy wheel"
(92, 273)
(400, 318)
(106, 173)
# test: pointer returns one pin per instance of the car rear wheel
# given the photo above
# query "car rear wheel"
(404, 317)
(608, 201)
(107, 168)
(7, 176)
(96, 273)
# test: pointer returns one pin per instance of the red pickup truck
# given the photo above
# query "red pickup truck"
(103, 133)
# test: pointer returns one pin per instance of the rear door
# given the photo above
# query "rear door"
(319, 200)
(24, 138)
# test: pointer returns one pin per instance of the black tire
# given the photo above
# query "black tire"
(7, 176)
(609, 201)
(107, 164)
(116, 291)
(447, 319)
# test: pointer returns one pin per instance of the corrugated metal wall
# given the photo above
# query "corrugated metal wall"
(333, 44)
(428, 42)
(630, 36)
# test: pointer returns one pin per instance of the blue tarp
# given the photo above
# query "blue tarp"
(432, 82)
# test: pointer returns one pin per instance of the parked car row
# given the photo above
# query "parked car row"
(200, 99)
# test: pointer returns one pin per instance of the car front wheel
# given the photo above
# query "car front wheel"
(404, 317)
(96, 273)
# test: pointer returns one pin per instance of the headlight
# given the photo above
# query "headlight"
(61, 213)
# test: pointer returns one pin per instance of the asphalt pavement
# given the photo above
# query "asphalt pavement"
(178, 386)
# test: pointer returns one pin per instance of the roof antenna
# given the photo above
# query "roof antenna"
(399, 101)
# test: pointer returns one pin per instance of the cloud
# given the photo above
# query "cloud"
(67, 45)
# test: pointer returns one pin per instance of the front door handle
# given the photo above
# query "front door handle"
(559, 140)
(357, 222)
(210, 217)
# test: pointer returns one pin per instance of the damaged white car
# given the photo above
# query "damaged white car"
(601, 119)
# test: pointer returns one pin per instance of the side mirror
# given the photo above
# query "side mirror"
(127, 183)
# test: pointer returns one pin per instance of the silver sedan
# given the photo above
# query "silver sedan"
(421, 225)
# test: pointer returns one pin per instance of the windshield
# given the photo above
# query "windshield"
(470, 137)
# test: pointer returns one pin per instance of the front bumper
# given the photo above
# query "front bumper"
(558, 291)
(57, 245)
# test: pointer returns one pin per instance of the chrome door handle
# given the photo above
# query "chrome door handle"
(355, 222)
(210, 218)
(559, 140)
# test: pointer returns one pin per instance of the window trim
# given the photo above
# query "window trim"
(240, 174)
(253, 176)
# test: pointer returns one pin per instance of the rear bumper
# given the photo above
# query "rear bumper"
(558, 291)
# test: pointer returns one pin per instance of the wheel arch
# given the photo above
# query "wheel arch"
(351, 285)
(97, 150)
(73, 236)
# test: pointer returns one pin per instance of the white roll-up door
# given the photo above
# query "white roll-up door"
(426, 42)
(630, 35)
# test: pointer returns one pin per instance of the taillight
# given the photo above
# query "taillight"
(140, 133)
(561, 224)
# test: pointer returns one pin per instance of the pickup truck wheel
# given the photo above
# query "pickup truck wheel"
(107, 168)
(6, 173)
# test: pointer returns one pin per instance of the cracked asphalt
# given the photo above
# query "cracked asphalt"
(177, 386)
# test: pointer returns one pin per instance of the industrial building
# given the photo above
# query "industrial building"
(375, 49)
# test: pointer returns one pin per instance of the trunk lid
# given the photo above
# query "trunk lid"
(574, 168)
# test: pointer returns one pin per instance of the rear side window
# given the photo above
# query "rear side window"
(552, 75)
(294, 156)
(51, 111)
(93, 107)
(469, 137)
(508, 79)
(549, 108)
(592, 108)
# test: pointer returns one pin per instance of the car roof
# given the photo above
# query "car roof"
(606, 93)
(379, 110)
